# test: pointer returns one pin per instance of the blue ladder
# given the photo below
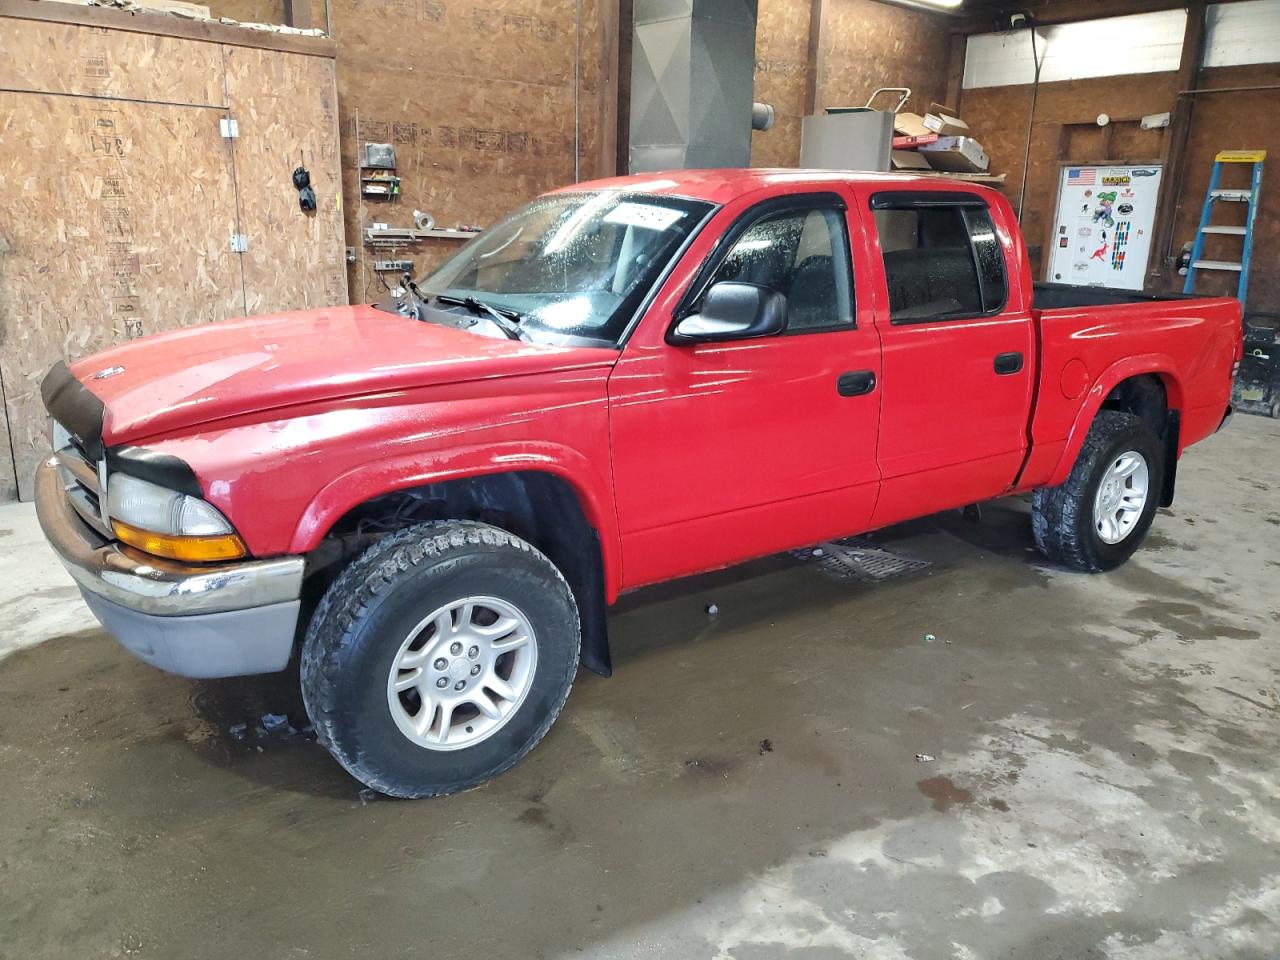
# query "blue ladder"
(1216, 194)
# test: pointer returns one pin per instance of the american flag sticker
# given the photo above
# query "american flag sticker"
(1082, 177)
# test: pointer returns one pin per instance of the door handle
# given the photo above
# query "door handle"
(1008, 363)
(856, 383)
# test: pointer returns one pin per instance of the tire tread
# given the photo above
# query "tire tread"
(335, 625)
(1055, 511)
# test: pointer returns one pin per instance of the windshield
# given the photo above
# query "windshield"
(574, 264)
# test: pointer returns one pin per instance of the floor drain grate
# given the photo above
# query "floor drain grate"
(856, 558)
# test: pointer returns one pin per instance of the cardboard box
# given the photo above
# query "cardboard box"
(914, 143)
(910, 125)
(956, 155)
(909, 160)
(945, 125)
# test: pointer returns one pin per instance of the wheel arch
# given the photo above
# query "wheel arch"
(1145, 386)
(537, 498)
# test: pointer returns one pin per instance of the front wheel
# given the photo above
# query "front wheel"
(1101, 514)
(439, 658)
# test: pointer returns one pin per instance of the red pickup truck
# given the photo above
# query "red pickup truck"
(432, 501)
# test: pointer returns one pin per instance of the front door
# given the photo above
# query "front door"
(727, 450)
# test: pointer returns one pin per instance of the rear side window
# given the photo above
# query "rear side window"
(941, 262)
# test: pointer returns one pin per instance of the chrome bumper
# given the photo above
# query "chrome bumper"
(216, 620)
(151, 585)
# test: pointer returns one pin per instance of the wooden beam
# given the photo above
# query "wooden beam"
(986, 17)
(1173, 159)
(607, 91)
(297, 13)
(166, 25)
(955, 71)
(622, 113)
(815, 59)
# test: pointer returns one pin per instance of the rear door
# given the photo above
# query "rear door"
(958, 351)
(728, 450)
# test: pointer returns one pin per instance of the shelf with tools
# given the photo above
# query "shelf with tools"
(394, 236)
(379, 183)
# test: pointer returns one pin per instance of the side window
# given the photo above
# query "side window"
(804, 255)
(941, 262)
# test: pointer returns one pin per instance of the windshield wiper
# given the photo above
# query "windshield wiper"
(507, 321)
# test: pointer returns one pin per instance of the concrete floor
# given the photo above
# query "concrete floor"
(1105, 781)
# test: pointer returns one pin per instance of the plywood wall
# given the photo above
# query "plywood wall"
(1240, 120)
(1245, 120)
(287, 110)
(91, 258)
(865, 45)
(250, 11)
(998, 117)
(118, 196)
(781, 76)
(478, 99)
(869, 45)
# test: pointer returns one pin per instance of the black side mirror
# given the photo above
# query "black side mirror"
(733, 311)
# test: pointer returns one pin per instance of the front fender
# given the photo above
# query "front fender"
(388, 475)
(1159, 364)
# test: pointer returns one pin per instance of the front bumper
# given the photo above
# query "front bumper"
(214, 620)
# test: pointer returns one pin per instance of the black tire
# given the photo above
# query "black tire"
(1062, 517)
(373, 606)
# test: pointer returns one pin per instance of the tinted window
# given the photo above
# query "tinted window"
(804, 255)
(941, 263)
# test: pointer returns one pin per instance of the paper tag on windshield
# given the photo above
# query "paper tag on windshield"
(643, 215)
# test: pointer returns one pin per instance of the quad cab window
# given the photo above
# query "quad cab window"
(803, 255)
(941, 261)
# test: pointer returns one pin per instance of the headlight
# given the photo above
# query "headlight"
(167, 523)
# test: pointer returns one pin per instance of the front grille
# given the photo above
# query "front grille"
(82, 479)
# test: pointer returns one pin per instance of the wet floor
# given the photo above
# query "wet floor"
(988, 759)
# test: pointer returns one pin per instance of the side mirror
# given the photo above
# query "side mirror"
(733, 311)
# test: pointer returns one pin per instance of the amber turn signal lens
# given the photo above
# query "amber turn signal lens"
(192, 549)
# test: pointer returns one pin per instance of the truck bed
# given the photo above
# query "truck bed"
(1063, 296)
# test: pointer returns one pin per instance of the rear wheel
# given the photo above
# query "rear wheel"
(1101, 514)
(440, 658)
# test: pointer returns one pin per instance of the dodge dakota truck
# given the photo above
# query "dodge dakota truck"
(426, 506)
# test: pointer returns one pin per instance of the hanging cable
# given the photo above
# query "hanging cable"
(1031, 117)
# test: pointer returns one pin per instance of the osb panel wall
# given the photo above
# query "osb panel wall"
(998, 117)
(781, 77)
(88, 257)
(1235, 121)
(252, 11)
(478, 99)
(70, 59)
(866, 45)
(116, 212)
(286, 107)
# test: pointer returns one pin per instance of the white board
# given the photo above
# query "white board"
(1102, 230)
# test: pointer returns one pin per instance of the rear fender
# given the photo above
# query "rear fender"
(1154, 363)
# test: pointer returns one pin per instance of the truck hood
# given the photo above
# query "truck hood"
(194, 376)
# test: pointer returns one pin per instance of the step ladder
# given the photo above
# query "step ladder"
(1219, 194)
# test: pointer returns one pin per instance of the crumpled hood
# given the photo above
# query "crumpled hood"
(200, 374)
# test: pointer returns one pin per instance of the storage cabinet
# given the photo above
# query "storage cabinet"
(125, 207)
